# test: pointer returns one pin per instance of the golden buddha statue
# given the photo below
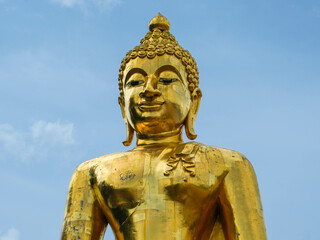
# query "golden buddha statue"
(163, 188)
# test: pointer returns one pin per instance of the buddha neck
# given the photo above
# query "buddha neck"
(174, 136)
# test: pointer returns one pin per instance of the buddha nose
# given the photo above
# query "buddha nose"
(150, 90)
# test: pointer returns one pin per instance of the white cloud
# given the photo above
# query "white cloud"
(13, 143)
(11, 234)
(41, 138)
(9, 137)
(53, 132)
(69, 3)
(87, 4)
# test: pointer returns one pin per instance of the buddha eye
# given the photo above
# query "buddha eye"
(167, 81)
(134, 83)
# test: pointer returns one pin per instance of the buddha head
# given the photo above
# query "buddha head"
(158, 83)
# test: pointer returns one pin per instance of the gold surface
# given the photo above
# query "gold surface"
(163, 188)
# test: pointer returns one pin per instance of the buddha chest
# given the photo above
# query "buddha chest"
(173, 184)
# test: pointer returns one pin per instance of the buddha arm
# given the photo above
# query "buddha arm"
(240, 201)
(83, 217)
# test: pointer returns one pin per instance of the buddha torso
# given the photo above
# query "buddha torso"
(184, 191)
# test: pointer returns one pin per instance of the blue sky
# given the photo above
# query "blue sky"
(259, 74)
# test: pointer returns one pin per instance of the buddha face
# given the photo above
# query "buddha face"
(156, 95)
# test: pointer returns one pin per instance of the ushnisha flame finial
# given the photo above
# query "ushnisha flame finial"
(159, 22)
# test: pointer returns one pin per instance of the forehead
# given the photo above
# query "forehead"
(150, 66)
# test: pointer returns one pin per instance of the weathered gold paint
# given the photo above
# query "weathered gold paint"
(163, 188)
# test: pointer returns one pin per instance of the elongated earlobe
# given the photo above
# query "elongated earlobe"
(189, 126)
(130, 133)
(129, 128)
(191, 117)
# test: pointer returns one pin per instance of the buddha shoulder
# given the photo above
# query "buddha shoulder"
(98, 162)
(227, 157)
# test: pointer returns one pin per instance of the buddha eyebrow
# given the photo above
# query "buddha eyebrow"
(170, 68)
(133, 71)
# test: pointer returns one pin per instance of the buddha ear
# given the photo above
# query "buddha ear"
(191, 117)
(129, 128)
